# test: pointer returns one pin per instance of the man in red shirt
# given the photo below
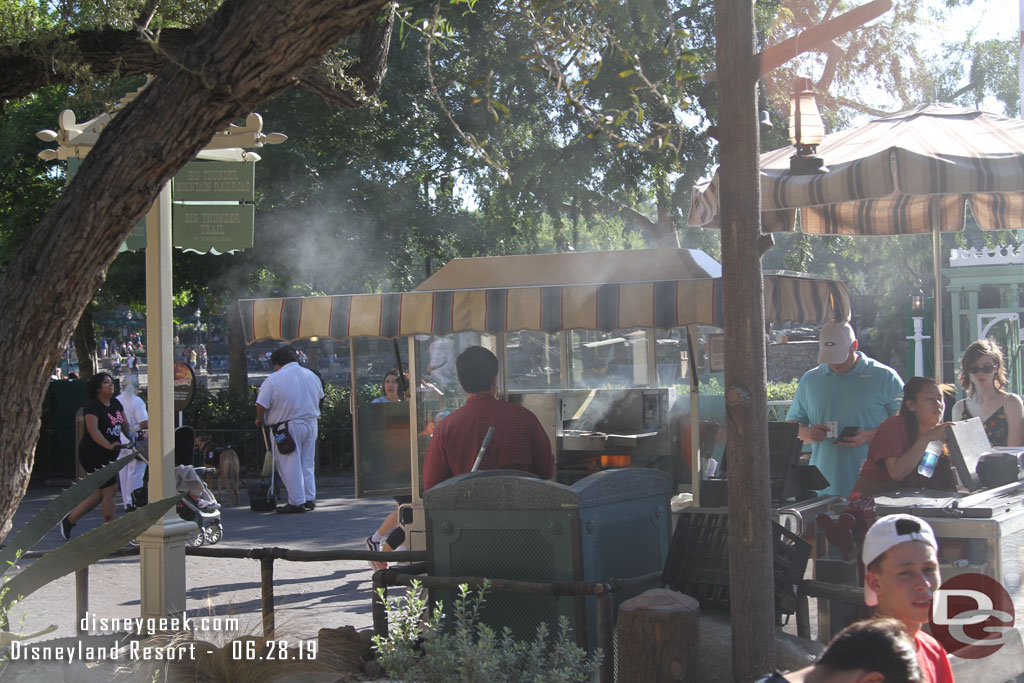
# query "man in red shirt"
(901, 575)
(519, 443)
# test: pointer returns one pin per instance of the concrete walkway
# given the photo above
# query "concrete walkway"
(308, 595)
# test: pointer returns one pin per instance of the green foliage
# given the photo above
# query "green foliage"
(78, 553)
(782, 391)
(710, 386)
(221, 410)
(227, 410)
(420, 648)
(777, 391)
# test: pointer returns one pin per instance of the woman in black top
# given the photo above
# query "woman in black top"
(104, 419)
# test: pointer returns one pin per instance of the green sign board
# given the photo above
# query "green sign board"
(224, 227)
(214, 181)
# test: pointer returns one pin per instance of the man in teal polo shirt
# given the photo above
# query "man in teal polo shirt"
(847, 391)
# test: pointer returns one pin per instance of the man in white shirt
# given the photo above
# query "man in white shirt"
(133, 474)
(292, 395)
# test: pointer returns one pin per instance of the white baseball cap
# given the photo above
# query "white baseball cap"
(834, 342)
(889, 532)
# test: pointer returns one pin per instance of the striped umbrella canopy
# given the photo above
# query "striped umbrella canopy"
(908, 173)
(556, 296)
(901, 174)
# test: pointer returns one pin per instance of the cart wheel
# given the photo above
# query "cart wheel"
(213, 533)
(195, 538)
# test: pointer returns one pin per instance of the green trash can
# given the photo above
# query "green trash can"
(504, 524)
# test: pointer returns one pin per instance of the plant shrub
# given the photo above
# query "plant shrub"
(465, 650)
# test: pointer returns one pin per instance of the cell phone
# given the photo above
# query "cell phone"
(847, 433)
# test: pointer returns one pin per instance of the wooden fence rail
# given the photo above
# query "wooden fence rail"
(601, 590)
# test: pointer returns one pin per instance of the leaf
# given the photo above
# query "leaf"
(52, 514)
(627, 72)
(84, 550)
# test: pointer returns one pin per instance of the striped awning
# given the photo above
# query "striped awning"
(892, 175)
(610, 306)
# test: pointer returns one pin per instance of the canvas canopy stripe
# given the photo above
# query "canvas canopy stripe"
(606, 307)
(893, 175)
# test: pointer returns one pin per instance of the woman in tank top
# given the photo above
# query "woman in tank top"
(983, 378)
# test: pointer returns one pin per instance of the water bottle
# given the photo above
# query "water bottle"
(930, 457)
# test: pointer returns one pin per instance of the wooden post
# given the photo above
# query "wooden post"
(267, 595)
(658, 637)
(81, 598)
(750, 546)
(379, 605)
(604, 620)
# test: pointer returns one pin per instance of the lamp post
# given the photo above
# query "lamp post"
(917, 313)
(806, 130)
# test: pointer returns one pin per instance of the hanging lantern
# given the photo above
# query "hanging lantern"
(806, 130)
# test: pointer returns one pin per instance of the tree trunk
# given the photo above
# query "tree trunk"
(750, 546)
(248, 51)
(238, 366)
(85, 344)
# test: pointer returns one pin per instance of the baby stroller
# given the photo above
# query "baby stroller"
(198, 505)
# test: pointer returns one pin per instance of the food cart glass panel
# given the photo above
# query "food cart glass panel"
(532, 360)
(711, 409)
(608, 360)
(672, 357)
(381, 427)
(438, 391)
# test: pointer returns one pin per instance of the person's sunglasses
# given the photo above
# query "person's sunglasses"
(979, 369)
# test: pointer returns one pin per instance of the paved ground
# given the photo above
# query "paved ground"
(308, 595)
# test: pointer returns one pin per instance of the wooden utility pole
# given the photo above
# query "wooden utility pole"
(750, 545)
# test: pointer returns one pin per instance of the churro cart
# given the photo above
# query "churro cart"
(608, 349)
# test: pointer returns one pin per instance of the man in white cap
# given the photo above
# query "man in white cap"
(901, 575)
(840, 403)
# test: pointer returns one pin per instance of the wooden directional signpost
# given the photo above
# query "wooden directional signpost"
(202, 226)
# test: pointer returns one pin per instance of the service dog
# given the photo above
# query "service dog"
(225, 460)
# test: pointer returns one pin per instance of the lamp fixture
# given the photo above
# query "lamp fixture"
(806, 130)
(917, 303)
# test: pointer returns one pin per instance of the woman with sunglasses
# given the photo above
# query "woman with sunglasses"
(983, 378)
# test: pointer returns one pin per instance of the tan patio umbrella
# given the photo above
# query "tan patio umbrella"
(907, 173)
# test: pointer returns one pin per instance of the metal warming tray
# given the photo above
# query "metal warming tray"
(580, 440)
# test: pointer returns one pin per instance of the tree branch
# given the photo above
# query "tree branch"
(108, 52)
(835, 54)
(100, 53)
(852, 104)
(148, 12)
(626, 212)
